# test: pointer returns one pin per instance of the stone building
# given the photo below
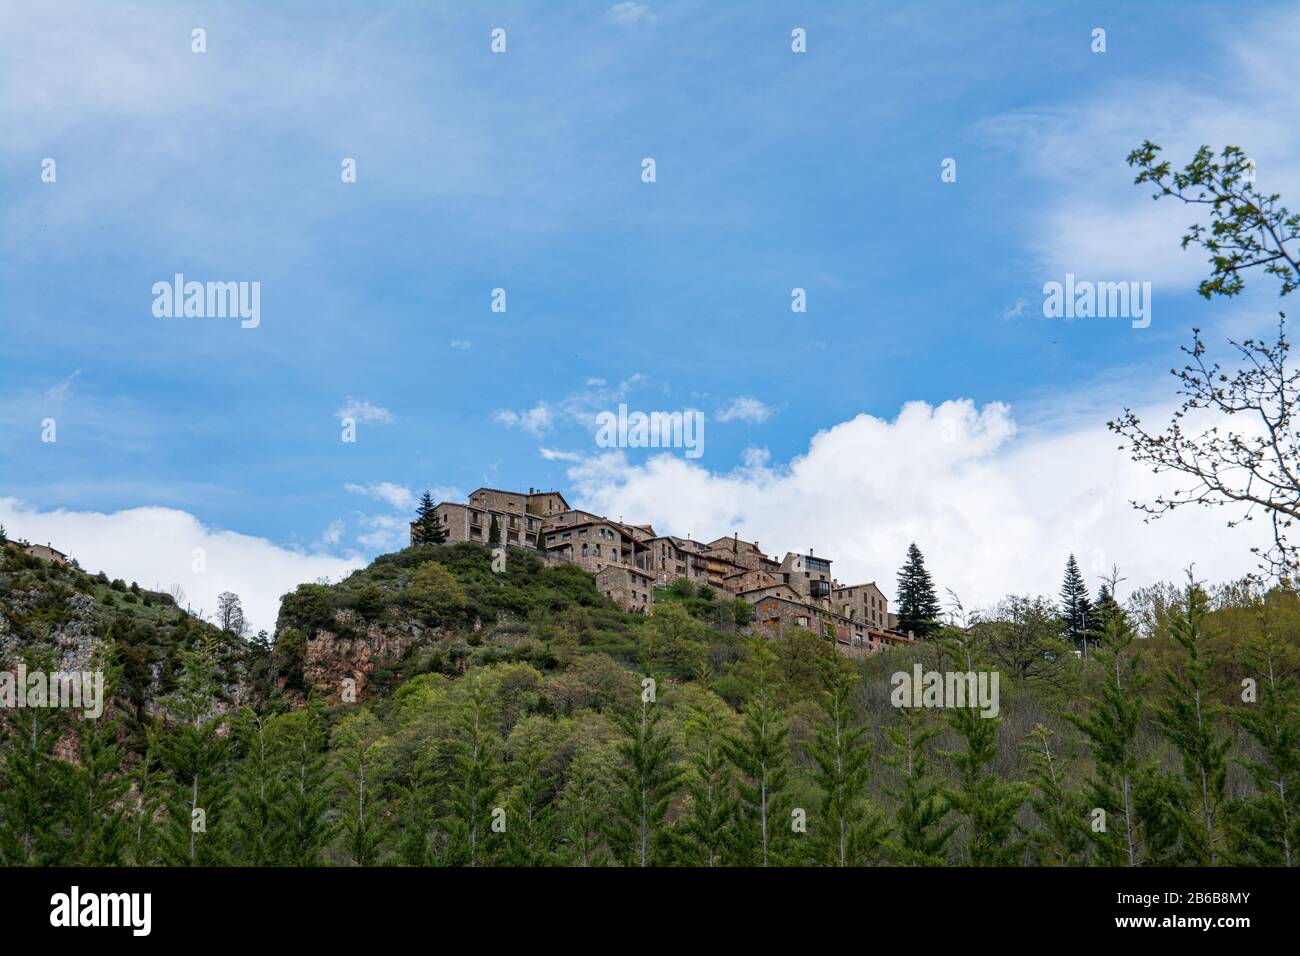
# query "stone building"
(773, 614)
(807, 574)
(46, 552)
(861, 602)
(630, 588)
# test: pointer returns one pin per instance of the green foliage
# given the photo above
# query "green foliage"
(918, 608)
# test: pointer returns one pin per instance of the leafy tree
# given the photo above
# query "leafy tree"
(849, 830)
(761, 755)
(648, 778)
(1249, 468)
(1076, 608)
(230, 614)
(918, 608)
(1023, 638)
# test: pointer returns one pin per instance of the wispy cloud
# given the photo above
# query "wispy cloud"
(365, 412)
(744, 409)
(629, 14)
(398, 496)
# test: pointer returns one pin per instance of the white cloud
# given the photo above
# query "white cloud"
(461, 343)
(744, 409)
(60, 391)
(552, 454)
(629, 14)
(535, 421)
(334, 533)
(994, 511)
(365, 412)
(398, 496)
(155, 546)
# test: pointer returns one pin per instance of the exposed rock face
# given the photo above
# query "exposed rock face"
(330, 659)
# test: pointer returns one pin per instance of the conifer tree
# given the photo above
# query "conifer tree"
(151, 783)
(259, 791)
(1190, 717)
(921, 831)
(1110, 726)
(648, 778)
(1076, 608)
(918, 607)
(987, 804)
(98, 783)
(584, 808)
(707, 831)
(541, 540)
(34, 783)
(473, 780)
(1102, 609)
(1266, 826)
(194, 754)
(494, 533)
(761, 755)
(428, 529)
(849, 830)
(530, 816)
(299, 743)
(1061, 838)
(357, 742)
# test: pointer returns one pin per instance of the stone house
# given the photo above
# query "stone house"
(630, 588)
(861, 602)
(46, 552)
(807, 574)
(773, 614)
(672, 558)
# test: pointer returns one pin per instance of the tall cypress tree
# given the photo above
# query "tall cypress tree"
(849, 831)
(1190, 718)
(98, 784)
(988, 804)
(1076, 608)
(918, 608)
(473, 780)
(1061, 838)
(259, 790)
(1110, 726)
(356, 752)
(298, 740)
(494, 532)
(708, 829)
(761, 754)
(921, 832)
(649, 779)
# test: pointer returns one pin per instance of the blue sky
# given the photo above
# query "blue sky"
(522, 171)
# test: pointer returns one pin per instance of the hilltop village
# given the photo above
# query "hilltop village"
(629, 560)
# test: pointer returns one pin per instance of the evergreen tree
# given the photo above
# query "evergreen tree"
(151, 784)
(849, 830)
(761, 755)
(259, 790)
(648, 779)
(34, 783)
(494, 533)
(99, 784)
(427, 528)
(1061, 838)
(541, 540)
(194, 754)
(473, 780)
(1110, 726)
(298, 739)
(584, 807)
(1102, 610)
(530, 817)
(1189, 717)
(987, 804)
(1266, 827)
(1076, 608)
(357, 741)
(921, 833)
(707, 830)
(918, 608)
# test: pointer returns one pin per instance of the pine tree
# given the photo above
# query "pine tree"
(194, 753)
(34, 783)
(921, 834)
(1189, 717)
(473, 780)
(1061, 838)
(99, 830)
(708, 828)
(427, 528)
(1110, 726)
(356, 750)
(988, 804)
(1266, 827)
(1102, 610)
(648, 778)
(918, 608)
(298, 739)
(1076, 608)
(849, 830)
(761, 755)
